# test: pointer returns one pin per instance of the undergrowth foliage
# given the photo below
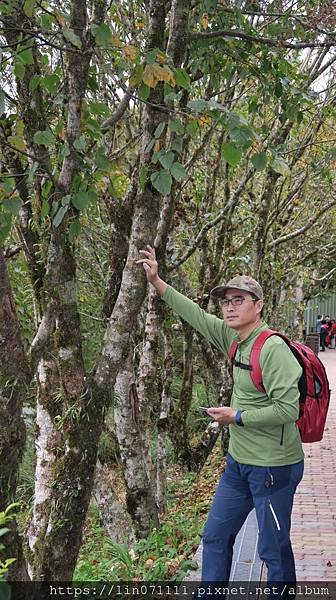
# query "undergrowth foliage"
(167, 553)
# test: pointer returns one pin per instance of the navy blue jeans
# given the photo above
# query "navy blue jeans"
(271, 491)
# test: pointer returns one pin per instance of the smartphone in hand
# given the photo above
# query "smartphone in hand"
(204, 408)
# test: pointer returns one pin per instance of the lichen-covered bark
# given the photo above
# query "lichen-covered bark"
(120, 214)
(123, 319)
(178, 421)
(112, 512)
(147, 372)
(162, 424)
(70, 408)
(14, 376)
(145, 219)
(140, 494)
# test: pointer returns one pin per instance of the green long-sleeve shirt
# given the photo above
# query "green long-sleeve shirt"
(270, 436)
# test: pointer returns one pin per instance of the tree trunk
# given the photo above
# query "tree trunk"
(178, 422)
(162, 425)
(140, 497)
(113, 514)
(14, 376)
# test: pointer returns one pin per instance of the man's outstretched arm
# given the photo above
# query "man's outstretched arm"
(208, 325)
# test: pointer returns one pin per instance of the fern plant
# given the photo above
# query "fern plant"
(5, 517)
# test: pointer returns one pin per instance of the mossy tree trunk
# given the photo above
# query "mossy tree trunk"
(14, 377)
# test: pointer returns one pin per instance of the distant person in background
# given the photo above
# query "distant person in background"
(323, 334)
(318, 323)
(332, 333)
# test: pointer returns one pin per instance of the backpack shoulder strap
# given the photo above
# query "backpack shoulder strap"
(232, 351)
(256, 373)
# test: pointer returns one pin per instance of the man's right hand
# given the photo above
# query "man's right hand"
(150, 265)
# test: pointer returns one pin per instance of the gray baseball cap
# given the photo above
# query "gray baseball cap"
(240, 282)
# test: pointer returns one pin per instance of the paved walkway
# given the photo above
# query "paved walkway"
(314, 513)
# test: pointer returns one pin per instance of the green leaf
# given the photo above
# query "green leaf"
(46, 21)
(242, 135)
(46, 187)
(2, 102)
(4, 530)
(80, 200)
(193, 128)
(28, 7)
(103, 35)
(178, 171)
(162, 181)
(44, 210)
(176, 126)
(44, 138)
(159, 130)
(99, 108)
(151, 56)
(182, 78)
(17, 141)
(13, 204)
(31, 171)
(80, 143)
(149, 146)
(71, 37)
(66, 200)
(198, 105)
(279, 165)
(166, 158)
(5, 225)
(177, 145)
(50, 83)
(34, 82)
(136, 76)
(259, 161)
(58, 218)
(74, 229)
(144, 91)
(102, 161)
(19, 69)
(92, 194)
(231, 154)
(143, 175)
(8, 184)
(26, 56)
(5, 591)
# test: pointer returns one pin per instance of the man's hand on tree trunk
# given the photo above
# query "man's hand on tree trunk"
(150, 265)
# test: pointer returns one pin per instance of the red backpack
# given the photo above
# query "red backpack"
(313, 384)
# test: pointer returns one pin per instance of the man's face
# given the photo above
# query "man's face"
(247, 312)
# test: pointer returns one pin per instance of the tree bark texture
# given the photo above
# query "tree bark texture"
(14, 377)
(163, 423)
(69, 411)
(113, 514)
(178, 421)
(140, 494)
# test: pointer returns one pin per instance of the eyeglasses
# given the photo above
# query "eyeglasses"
(236, 300)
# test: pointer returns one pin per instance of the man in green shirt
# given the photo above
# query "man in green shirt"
(265, 458)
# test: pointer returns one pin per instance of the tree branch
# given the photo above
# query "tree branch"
(278, 43)
(301, 230)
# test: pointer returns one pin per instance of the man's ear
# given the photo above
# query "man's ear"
(260, 305)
